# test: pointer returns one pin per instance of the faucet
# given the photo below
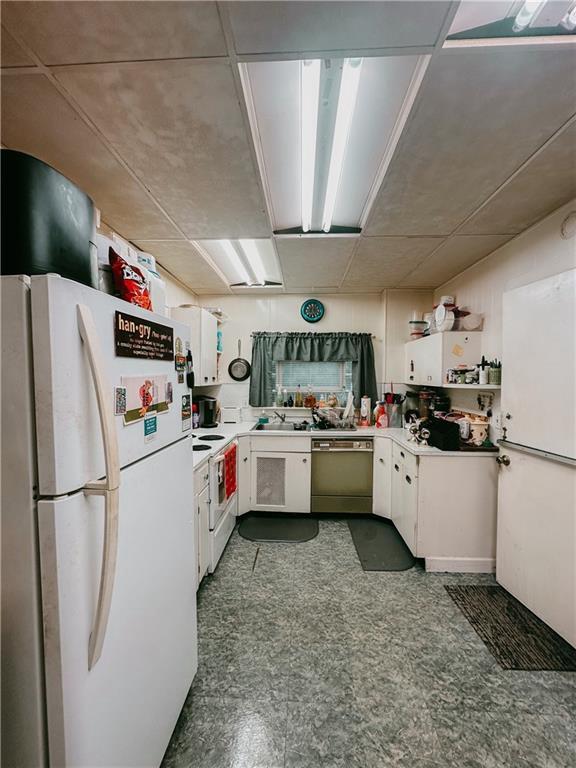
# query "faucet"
(281, 416)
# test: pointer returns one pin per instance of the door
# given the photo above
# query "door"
(280, 482)
(70, 452)
(382, 488)
(122, 711)
(244, 475)
(536, 547)
(203, 513)
(539, 371)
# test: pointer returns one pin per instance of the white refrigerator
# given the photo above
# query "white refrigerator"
(98, 552)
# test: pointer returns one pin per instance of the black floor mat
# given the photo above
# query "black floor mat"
(514, 635)
(379, 545)
(278, 527)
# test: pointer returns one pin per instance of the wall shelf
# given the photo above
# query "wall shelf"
(471, 386)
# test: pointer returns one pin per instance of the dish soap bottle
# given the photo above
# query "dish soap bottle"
(290, 401)
(279, 400)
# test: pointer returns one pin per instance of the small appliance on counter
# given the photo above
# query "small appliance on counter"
(207, 409)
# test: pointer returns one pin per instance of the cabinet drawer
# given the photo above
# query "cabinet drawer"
(280, 444)
(408, 462)
(201, 478)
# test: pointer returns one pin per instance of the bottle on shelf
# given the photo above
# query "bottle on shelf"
(290, 401)
(309, 400)
(274, 397)
(285, 397)
(298, 399)
(279, 400)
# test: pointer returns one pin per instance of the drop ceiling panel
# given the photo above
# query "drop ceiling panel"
(184, 262)
(545, 184)
(60, 138)
(331, 26)
(382, 262)
(482, 113)
(179, 126)
(454, 255)
(12, 54)
(318, 261)
(83, 32)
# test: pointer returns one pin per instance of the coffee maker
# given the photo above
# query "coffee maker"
(206, 410)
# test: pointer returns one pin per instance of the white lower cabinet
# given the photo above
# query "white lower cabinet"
(444, 507)
(382, 487)
(202, 521)
(280, 481)
(244, 465)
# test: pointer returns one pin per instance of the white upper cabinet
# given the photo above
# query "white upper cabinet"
(428, 359)
(203, 339)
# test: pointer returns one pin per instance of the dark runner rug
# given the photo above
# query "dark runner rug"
(514, 635)
(379, 545)
(278, 527)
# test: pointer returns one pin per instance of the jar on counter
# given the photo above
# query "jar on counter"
(425, 403)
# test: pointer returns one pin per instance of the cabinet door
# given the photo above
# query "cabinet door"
(408, 521)
(203, 514)
(382, 485)
(208, 339)
(243, 470)
(280, 482)
(396, 495)
(298, 482)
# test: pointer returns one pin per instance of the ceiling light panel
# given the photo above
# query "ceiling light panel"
(244, 262)
(359, 104)
(478, 19)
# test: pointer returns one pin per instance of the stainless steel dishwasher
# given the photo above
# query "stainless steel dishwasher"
(342, 475)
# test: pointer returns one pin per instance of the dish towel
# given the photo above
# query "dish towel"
(230, 470)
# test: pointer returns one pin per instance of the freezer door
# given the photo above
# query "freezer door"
(69, 432)
(123, 710)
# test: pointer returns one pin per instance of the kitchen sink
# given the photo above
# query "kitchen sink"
(274, 427)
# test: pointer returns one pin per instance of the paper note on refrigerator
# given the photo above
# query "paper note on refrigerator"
(144, 394)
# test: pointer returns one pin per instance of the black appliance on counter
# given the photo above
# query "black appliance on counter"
(444, 435)
(47, 221)
(206, 410)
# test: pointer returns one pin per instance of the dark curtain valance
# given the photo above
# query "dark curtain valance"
(270, 348)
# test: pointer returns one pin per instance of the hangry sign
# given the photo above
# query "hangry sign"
(136, 337)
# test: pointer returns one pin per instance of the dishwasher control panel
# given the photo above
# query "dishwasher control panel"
(342, 444)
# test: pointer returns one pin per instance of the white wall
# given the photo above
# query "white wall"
(537, 253)
(385, 316)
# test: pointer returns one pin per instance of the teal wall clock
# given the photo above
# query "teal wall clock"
(312, 310)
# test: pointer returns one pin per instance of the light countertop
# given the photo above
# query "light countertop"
(399, 436)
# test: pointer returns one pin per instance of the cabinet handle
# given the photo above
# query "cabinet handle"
(206, 477)
(503, 460)
(304, 461)
(402, 454)
(245, 458)
(396, 467)
(381, 461)
(408, 480)
(411, 366)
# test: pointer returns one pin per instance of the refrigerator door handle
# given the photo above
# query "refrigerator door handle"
(90, 338)
(107, 572)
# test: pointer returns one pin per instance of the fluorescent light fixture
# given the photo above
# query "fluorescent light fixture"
(252, 255)
(346, 103)
(309, 94)
(527, 13)
(236, 261)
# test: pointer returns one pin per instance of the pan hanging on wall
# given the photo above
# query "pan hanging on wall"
(239, 368)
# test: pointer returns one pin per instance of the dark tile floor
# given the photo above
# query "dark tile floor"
(306, 661)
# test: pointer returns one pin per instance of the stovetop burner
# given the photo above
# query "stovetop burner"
(211, 437)
(200, 447)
